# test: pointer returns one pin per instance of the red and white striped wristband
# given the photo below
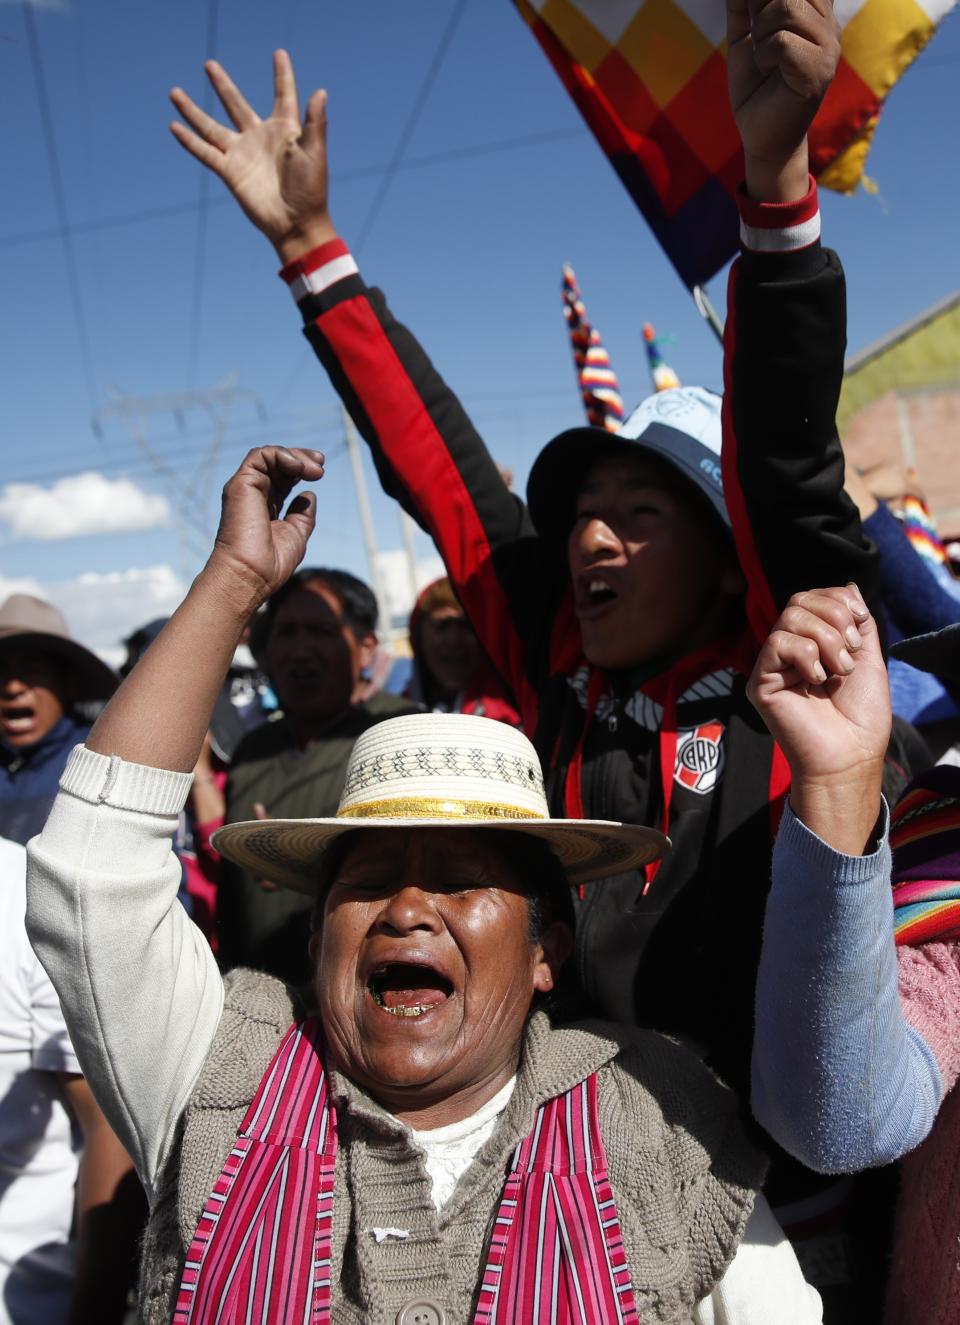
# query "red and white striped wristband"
(317, 270)
(779, 227)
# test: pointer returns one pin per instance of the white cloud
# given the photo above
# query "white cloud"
(21, 584)
(82, 504)
(395, 575)
(103, 608)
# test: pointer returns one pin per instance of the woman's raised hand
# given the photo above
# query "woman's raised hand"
(275, 168)
(257, 550)
(160, 716)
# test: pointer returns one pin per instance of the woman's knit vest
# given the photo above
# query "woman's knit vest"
(669, 1129)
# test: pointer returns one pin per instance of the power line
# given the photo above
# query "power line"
(479, 149)
(118, 222)
(292, 16)
(426, 87)
(199, 266)
(60, 204)
(146, 214)
(132, 466)
(300, 419)
(373, 211)
(292, 426)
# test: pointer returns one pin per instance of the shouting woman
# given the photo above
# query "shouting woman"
(430, 1147)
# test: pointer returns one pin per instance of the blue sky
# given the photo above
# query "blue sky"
(467, 242)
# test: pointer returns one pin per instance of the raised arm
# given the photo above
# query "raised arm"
(781, 60)
(140, 990)
(839, 1078)
(161, 714)
(275, 168)
(427, 452)
(786, 326)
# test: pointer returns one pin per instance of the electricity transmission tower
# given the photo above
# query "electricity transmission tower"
(188, 491)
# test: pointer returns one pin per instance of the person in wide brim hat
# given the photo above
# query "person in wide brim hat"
(30, 625)
(45, 677)
(442, 922)
(440, 771)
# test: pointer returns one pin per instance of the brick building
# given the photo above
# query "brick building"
(901, 404)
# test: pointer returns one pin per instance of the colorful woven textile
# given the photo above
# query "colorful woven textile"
(921, 529)
(925, 836)
(262, 1246)
(261, 1250)
(649, 77)
(660, 371)
(556, 1252)
(597, 380)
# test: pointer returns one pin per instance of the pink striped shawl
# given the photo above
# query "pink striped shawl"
(556, 1250)
(555, 1254)
(256, 1254)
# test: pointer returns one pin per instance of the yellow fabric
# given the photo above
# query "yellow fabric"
(433, 807)
(845, 171)
(665, 45)
(883, 37)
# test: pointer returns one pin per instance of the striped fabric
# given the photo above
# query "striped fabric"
(556, 1252)
(780, 227)
(925, 837)
(261, 1251)
(649, 78)
(597, 380)
(317, 270)
(661, 373)
(921, 529)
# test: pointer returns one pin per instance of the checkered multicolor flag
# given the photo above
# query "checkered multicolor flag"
(664, 378)
(650, 79)
(921, 529)
(598, 382)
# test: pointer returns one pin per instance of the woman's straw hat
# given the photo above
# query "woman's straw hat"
(439, 770)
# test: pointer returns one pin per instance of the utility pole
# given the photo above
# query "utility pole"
(188, 493)
(366, 520)
(407, 532)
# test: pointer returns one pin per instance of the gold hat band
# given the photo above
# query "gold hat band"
(429, 807)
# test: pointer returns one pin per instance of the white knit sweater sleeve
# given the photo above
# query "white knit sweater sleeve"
(763, 1283)
(139, 986)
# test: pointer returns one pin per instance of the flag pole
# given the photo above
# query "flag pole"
(707, 311)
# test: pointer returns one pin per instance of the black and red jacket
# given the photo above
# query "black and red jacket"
(685, 750)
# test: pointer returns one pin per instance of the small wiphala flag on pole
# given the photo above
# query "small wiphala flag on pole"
(597, 380)
(663, 375)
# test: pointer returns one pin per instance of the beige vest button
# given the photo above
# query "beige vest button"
(424, 1311)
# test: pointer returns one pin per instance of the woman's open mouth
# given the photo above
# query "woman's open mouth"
(407, 990)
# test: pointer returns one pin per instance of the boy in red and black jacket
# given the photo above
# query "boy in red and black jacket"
(625, 606)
